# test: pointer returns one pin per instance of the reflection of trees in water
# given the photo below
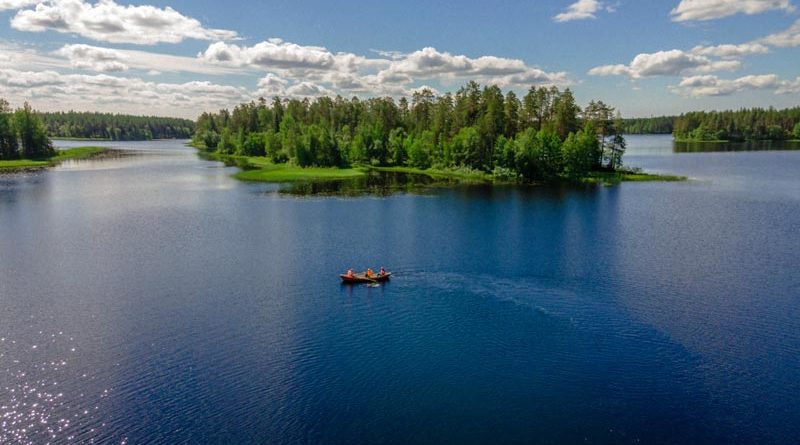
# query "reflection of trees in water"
(374, 183)
(707, 147)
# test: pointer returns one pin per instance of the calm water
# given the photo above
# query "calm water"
(150, 298)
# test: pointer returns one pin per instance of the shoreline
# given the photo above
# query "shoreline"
(17, 165)
(260, 169)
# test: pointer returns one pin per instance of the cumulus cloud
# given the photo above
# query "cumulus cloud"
(787, 38)
(270, 54)
(698, 10)
(709, 85)
(53, 90)
(580, 10)
(313, 69)
(108, 21)
(429, 63)
(666, 63)
(272, 85)
(93, 58)
(731, 51)
(16, 4)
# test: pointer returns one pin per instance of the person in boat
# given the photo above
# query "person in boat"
(349, 273)
(382, 272)
(369, 273)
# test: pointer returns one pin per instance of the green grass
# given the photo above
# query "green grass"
(289, 173)
(60, 156)
(261, 169)
(612, 178)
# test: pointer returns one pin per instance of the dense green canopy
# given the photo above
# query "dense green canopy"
(540, 137)
(740, 125)
(22, 134)
(118, 127)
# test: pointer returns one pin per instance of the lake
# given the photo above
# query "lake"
(147, 297)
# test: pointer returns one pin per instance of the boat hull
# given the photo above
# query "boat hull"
(362, 278)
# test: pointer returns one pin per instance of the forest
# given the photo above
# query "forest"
(117, 127)
(733, 125)
(649, 125)
(542, 136)
(22, 134)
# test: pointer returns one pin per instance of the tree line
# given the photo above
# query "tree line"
(117, 127)
(22, 134)
(732, 125)
(649, 125)
(541, 136)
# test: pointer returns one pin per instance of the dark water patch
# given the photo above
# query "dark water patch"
(373, 183)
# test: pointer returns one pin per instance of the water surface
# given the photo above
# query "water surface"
(151, 298)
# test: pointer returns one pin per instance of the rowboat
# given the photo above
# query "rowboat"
(362, 278)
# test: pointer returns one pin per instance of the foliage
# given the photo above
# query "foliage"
(739, 125)
(118, 127)
(649, 125)
(22, 134)
(476, 129)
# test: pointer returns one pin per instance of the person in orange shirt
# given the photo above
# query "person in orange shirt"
(369, 273)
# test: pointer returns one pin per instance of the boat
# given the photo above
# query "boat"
(362, 278)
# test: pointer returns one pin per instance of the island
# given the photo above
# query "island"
(478, 134)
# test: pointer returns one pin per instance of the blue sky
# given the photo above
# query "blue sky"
(180, 58)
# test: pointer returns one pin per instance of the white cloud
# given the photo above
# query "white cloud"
(787, 38)
(272, 85)
(110, 22)
(580, 10)
(50, 90)
(431, 64)
(24, 57)
(307, 89)
(708, 85)
(94, 58)
(666, 63)
(731, 51)
(16, 4)
(695, 10)
(349, 73)
(270, 54)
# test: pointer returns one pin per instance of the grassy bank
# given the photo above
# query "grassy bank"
(60, 156)
(288, 173)
(612, 178)
(260, 169)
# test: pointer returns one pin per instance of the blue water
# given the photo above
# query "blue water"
(150, 298)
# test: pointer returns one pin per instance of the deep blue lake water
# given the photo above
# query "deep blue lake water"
(150, 298)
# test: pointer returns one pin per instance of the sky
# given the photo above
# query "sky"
(182, 57)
